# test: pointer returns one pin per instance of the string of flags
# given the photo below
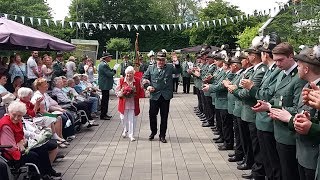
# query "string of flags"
(129, 27)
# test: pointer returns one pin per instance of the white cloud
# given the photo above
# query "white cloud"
(60, 8)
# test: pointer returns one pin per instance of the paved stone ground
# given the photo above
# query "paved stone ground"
(101, 152)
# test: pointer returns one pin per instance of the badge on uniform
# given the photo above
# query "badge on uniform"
(263, 70)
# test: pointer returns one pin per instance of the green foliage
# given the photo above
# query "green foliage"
(246, 37)
(283, 24)
(119, 44)
(224, 34)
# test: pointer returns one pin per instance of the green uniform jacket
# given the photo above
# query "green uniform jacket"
(161, 81)
(221, 99)
(210, 70)
(197, 80)
(247, 114)
(287, 94)
(307, 146)
(217, 76)
(185, 67)
(265, 92)
(105, 76)
(237, 101)
(231, 98)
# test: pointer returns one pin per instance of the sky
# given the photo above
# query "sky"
(60, 8)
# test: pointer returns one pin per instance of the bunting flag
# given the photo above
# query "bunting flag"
(62, 23)
(31, 20)
(86, 25)
(22, 18)
(231, 19)
(78, 24)
(55, 22)
(71, 24)
(108, 26)
(185, 25)
(168, 26)
(47, 21)
(115, 26)
(136, 27)
(129, 27)
(162, 26)
(39, 21)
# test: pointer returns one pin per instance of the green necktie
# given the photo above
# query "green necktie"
(279, 78)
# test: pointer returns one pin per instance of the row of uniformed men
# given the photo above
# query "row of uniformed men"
(256, 100)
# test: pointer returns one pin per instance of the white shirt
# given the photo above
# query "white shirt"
(47, 102)
(31, 63)
(270, 67)
(287, 72)
(256, 66)
(2, 89)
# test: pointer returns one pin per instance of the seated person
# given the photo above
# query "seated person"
(48, 105)
(11, 133)
(24, 95)
(64, 98)
(15, 85)
(3, 90)
(78, 88)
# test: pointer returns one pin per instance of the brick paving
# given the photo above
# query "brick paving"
(101, 152)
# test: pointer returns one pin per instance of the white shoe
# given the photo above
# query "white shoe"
(124, 134)
(132, 139)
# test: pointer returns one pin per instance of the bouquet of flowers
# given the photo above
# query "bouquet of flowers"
(128, 91)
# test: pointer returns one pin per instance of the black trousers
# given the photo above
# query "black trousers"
(288, 161)
(210, 110)
(199, 100)
(104, 103)
(246, 141)
(85, 107)
(257, 168)
(271, 161)
(305, 173)
(4, 170)
(203, 101)
(219, 123)
(175, 84)
(186, 84)
(239, 152)
(227, 127)
(155, 105)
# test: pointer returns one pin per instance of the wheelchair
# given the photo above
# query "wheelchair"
(27, 171)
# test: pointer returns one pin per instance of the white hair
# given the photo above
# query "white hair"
(24, 92)
(17, 106)
(129, 69)
(55, 80)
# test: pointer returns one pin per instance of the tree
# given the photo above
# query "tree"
(245, 38)
(119, 44)
(226, 33)
(285, 24)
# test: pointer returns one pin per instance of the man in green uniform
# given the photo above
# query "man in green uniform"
(105, 82)
(287, 92)
(158, 81)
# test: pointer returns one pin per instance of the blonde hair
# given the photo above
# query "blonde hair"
(38, 82)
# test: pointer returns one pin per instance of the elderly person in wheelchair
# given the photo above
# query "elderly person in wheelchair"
(12, 134)
(63, 97)
(51, 108)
